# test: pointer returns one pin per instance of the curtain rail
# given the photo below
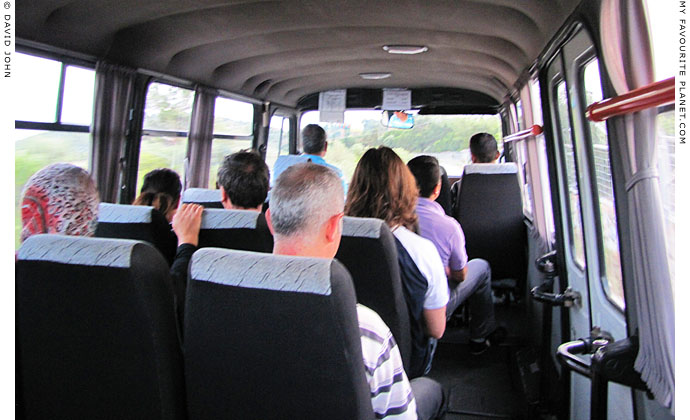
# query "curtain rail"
(535, 130)
(650, 96)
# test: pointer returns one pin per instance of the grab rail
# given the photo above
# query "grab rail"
(650, 96)
(521, 135)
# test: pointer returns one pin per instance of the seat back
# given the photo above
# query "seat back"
(444, 197)
(235, 229)
(96, 331)
(367, 249)
(489, 209)
(272, 337)
(208, 198)
(143, 223)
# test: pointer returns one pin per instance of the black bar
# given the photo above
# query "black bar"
(32, 125)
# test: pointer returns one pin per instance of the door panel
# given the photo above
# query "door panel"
(582, 198)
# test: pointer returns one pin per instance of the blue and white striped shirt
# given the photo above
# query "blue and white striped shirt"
(391, 394)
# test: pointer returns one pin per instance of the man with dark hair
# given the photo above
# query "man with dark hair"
(243, 180)
(314, 147)
(468, 280)
(484, 148)
(306, 219)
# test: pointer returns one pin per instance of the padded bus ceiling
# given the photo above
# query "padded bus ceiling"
(284, 50)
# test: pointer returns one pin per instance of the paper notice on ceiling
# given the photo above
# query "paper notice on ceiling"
(396, 99)
(332, 106)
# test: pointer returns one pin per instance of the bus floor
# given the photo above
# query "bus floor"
(486, 386)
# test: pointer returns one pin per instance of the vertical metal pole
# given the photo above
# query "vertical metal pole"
(599, 397)
(61, 94)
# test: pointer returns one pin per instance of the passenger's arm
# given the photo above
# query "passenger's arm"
(187, 223)
(458, 275)
(435, 320)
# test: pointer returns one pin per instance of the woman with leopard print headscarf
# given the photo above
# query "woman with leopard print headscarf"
(60, 198)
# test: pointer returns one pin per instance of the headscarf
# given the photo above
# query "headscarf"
(60, 198)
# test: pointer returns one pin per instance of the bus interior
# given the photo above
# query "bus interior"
(571, 89)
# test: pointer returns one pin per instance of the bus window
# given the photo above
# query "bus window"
(612, 276)
(575, 213)
(167, 116)
(232, 132)
(53, 118)
(446, 137)
(543, 161)
(278, 139)
(77, 104)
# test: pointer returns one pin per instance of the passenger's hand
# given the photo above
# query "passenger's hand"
(187, 223)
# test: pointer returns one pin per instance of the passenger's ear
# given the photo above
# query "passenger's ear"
(268, 220)
(498, 155)
(225, 199)
(333, 228)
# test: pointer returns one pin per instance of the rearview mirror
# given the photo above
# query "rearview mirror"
(397, 119)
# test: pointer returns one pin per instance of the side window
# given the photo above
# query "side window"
(167, 117)
(543, 160)
(612, 276)
(232, 131)
(520, 151)
(278, 139)
(576, 234)
(53, 118)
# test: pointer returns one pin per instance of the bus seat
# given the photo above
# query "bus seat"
(272, 337)
(235, 229)
(143, 223)
(367, 249)
(210, 199)
(488, 206)
(97, 335)
(444, 197)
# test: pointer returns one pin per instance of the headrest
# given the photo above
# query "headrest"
(491, 168)
(200, 195)
(229, 219)
(362, 227)
(262, 271)
(99, 252)
(123, 213)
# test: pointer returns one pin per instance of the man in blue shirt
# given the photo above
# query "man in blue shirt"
(314, 146)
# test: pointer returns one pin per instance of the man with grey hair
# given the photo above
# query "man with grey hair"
(314, 147)
(306, 219)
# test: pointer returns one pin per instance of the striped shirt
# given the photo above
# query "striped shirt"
(391, 394)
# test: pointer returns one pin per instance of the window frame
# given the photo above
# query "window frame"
(65, 62)
(580, 65)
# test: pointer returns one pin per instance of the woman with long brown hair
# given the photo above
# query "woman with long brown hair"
(383, 187)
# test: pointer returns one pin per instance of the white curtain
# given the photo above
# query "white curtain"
(651, 283)
(114, 90)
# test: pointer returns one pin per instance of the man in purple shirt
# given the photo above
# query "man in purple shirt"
(468, 280)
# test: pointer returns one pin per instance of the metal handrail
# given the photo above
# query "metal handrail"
(535, 130)
(650, 96)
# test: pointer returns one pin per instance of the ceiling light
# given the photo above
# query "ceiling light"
(405, 49)
(374, 76)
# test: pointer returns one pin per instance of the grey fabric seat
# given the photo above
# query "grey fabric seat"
(143, 223)
(208, 198)
(96, 331)
(272, 337)
(488, 205)
(368, 251)
(235, 229)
